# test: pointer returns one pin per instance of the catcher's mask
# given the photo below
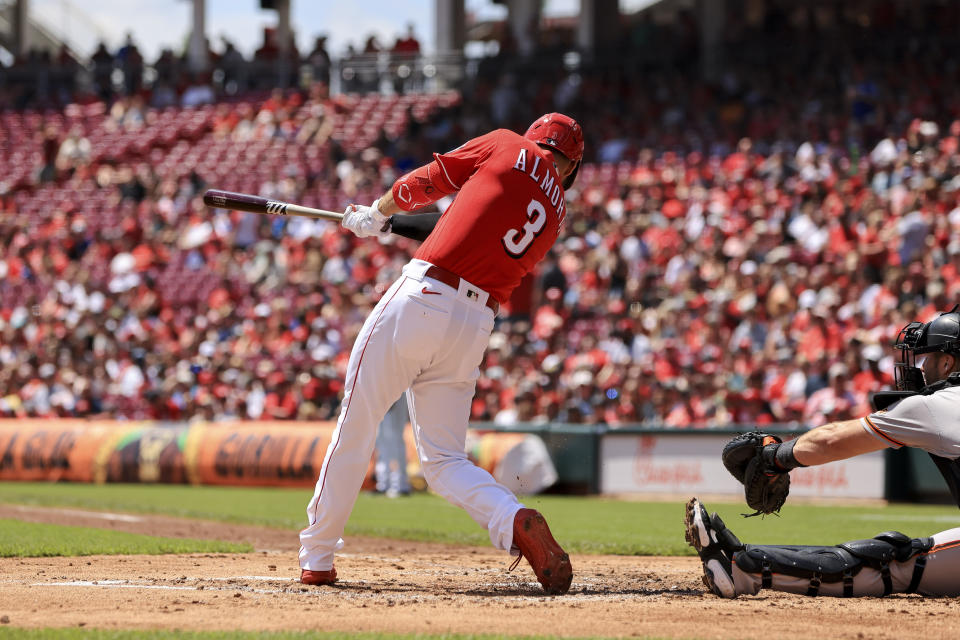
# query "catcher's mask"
(940, 334)
(563, 134)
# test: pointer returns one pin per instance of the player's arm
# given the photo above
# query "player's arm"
(380, 220)
(835, 441)
(907, 423)
(417, 226)
(762, 462)
(419, 188)
(387, 205)
(445, 175)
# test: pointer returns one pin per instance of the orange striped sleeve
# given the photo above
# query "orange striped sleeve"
(944, 546)
(869, 423)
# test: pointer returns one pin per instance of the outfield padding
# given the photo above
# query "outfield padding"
(250, 454)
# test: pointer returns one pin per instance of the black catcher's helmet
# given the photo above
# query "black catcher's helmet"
(940, 334)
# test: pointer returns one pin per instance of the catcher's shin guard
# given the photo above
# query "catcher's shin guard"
(835, 564)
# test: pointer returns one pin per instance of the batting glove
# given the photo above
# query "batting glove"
(366, 221)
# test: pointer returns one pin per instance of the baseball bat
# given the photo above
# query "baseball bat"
(256, 204)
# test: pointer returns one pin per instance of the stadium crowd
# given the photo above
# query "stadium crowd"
(737, 256)
(41, 79)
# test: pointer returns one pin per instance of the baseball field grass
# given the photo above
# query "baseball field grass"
(23, 539)
(582, 524)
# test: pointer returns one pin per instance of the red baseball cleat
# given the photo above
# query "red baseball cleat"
(551, 563)
(318, 578)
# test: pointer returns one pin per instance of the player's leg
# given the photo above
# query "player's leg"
(399, 480)
(439, 403)
(441, 439)
(381, 468)
(381, 366)
(390, 468)
(941, 575)
(704, 534)
(888, 563)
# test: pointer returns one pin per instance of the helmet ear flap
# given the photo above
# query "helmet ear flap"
(568, 181)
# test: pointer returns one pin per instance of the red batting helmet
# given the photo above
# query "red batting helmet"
(561, 133)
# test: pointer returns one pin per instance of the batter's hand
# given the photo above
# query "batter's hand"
(366, 221)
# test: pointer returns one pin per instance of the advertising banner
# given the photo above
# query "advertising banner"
(279, 454)
(252, 453)
(687, 463)
(51, 450)
(257, 453)
(147, 453)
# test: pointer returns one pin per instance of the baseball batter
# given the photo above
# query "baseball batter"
(922, 413)
(428, 333)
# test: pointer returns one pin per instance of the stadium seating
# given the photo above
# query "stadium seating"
(747, 285)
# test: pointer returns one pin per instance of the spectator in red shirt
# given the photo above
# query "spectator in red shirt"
(407, 45)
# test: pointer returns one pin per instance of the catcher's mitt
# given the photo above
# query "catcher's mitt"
(749, 457)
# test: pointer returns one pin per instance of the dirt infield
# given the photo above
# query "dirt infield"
(415, 587)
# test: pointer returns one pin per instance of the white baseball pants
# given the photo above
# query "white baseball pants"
(426, 338)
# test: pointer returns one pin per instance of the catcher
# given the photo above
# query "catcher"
(924, 412)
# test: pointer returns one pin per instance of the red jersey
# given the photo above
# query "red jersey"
(505, 218)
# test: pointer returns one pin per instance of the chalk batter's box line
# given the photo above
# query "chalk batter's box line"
(123, 584)
(113, 584)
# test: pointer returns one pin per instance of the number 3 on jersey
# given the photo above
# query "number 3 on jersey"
(517, 241)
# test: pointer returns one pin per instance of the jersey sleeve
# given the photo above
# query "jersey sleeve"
(445, 175)
(908, 423)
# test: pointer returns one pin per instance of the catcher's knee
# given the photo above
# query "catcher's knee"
(835, 564)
